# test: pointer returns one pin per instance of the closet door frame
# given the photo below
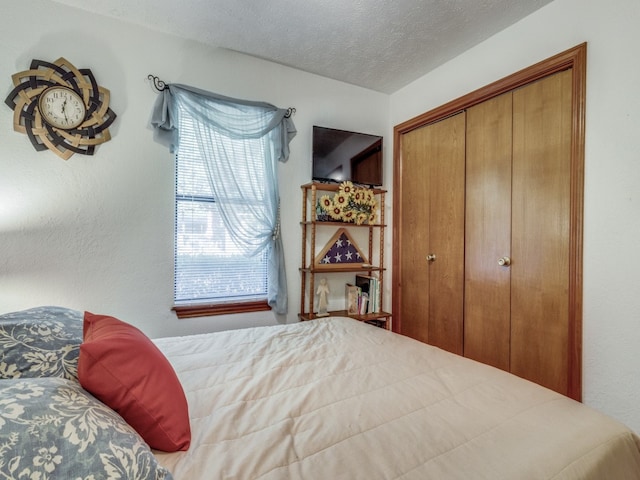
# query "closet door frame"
(575, 59)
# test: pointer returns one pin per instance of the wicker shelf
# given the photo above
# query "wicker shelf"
(308, 270)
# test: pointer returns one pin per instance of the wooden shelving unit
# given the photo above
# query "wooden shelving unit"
(311, 193)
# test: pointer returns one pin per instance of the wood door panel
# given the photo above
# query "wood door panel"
(432, 222)
(487, 313)
(414, 241)
(542, 130)
(447, 194)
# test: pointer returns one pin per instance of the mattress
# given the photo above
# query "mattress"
(339, 399)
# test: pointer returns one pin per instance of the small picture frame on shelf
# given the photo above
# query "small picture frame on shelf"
(339, 252)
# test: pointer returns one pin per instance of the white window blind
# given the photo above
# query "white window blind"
(209, 268)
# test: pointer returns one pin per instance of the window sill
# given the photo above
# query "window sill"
(209, 310)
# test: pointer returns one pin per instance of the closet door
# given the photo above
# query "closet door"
(487, 318)
(414, 225)
(522, 215)
(432, 241)
(542, 135)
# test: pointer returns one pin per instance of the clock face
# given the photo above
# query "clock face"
(62, 108)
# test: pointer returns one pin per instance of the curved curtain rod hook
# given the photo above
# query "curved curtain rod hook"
(290, 112)
(158, 84)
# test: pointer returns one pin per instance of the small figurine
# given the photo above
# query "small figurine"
(322, 292)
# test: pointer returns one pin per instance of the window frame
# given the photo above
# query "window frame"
(222, 308)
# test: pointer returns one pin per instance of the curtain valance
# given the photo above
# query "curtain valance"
(235, 118)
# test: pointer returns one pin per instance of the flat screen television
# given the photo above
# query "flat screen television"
(339, 155)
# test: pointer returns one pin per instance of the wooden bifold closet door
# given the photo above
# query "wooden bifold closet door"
(487, 327)
(540, 223)
(432, 227)
(517, 231)
(487, 226)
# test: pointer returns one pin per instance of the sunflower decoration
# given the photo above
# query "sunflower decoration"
(350, 204)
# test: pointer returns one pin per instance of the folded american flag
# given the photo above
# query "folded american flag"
(342, 251)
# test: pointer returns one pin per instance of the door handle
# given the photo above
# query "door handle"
(504, 262)
(431, 257)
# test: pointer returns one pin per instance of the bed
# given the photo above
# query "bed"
(338, 399)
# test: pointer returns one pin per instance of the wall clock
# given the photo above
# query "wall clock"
(60, 108)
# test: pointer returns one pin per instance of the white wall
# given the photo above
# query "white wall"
(96, 232)
(611, 321)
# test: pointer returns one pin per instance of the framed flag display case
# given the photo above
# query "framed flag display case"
(341, 251)
(353, 247)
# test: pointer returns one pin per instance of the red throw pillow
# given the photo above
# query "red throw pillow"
(120, 366)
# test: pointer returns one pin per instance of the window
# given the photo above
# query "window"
(210, 267)
(228, 246)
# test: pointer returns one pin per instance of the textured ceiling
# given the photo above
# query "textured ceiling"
(378, 44)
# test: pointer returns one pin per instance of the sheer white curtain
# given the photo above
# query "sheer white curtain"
(229, 133)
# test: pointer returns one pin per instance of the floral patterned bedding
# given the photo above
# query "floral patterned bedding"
(50, 427)
(40, 342)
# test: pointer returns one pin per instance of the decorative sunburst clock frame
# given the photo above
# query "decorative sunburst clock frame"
(42, 77)
(340, 252)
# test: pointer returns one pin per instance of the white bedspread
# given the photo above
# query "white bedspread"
(338, 399)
